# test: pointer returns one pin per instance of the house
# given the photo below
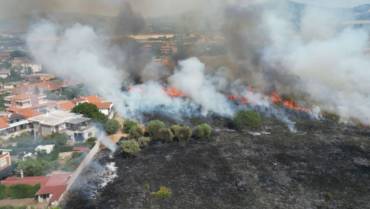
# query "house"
(6, 167)
(45, 148)
(12, 125)
(104, 106)
(76, 126)
(4, 73)
(51, 187)
(25, 64)
(5, 160)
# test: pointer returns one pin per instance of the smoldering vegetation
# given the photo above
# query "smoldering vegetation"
(326, 165)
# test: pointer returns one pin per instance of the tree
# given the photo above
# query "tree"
(144, 141)
(136, 132)
(202, 131)
(130, 147)
(128, 125)
(181, 133)
(91, 111)
(164, 134)
(154, 126)
(33, 167)
(244, 119)
(111, 126)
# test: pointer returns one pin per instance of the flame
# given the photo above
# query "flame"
(173, 92)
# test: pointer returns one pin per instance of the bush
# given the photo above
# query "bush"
(136, 132)
(182, 133)
(162, 193)
(128, 125)
(91, 111)
(165, 134)
(111, 126)
(131, 147)
(33, 167)
(143, 141)
(202, 131)
(18, 191)
(154, 126)
(90, 142)
(245, 119)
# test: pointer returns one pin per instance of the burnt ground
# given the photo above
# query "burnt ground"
(323, 166)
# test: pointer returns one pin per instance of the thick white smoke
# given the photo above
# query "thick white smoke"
(77, 53)
(190, 78)
(329, 59)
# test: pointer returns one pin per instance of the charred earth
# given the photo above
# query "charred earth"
(323, 166)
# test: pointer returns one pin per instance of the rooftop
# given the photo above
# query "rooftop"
(56, 117)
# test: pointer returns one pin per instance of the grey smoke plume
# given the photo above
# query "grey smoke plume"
(315, 53)
(190, 78)
(306, 51)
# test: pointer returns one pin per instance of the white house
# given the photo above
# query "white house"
(45, 148)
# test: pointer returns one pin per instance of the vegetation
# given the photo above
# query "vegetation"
(91, 111)
(182, 133)
(130, 147)
(90, 142)
(144, 141)
(162, 193)
(165, 134)
(244, 119)
(153, 128)
(136, 132)
(18, 191)
(2, 101)
(128, 125)
(33, 167)
(111, 126)
(203, 131)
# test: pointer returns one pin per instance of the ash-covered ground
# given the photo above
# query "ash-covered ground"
(322, 166)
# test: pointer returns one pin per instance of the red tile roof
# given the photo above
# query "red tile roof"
(66, 105)
(32, 180)
(25, 112)
(81, 149)
(99, 102)
(4, 122)
(55, 184)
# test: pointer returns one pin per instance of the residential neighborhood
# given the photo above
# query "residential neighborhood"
(43, 140)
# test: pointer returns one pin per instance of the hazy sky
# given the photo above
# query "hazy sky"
(9, 8)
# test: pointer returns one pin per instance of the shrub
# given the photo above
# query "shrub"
(154, 126)
(128, 125)
(165, 134)
(90, 142)
(91, 111)
(245, 119)
(182, 133)
(33, 167)
(130, 147)
(136, 132)
(18, 191)
(162, 193)
(111, 126)
(202, 131)
(143, 141)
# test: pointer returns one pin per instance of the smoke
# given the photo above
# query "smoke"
(79, 54)
(297, 49)
(190, 78)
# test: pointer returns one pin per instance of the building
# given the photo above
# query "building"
(5, 160)
(25, 64)
(13, 125)
(45, 148)
(77, 127)
(4, 73)
(51, 187)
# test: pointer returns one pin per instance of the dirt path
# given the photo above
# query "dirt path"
(23, 202)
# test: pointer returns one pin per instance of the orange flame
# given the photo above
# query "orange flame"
(173, 92)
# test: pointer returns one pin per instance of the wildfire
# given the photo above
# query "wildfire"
(173, 92)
